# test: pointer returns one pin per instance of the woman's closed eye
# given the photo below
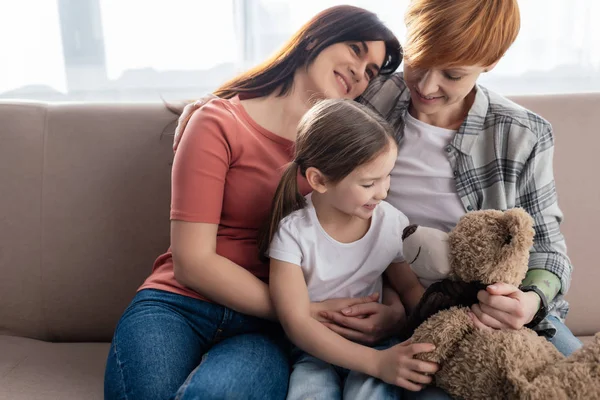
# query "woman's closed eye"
(452, 77)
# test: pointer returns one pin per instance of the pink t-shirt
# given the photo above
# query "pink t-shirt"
(225, 172)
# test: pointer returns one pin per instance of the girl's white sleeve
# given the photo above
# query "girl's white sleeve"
(402, 222)
(285, 245)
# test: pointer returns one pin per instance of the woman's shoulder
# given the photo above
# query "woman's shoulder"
(217, 118)
(385, 90)
(224, 110)
(502, 110)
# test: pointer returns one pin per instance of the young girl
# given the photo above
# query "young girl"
(337, 242)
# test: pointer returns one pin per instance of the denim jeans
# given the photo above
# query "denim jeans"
(315, 379)
(168, 346)
(563, 340)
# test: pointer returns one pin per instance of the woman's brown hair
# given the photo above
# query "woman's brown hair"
(335, 136)
(333, 25)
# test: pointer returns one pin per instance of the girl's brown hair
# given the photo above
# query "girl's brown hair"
(451, 33)
(331, 26)
(335, 137)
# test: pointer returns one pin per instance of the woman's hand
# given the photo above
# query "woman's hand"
(365, 322)
(336, 305)
(504, 306)
(184, 118)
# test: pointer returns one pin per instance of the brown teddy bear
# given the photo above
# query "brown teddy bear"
(486, 247)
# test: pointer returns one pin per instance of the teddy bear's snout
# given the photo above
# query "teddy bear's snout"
(409, 230)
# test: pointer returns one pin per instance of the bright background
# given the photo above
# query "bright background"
(142, 50)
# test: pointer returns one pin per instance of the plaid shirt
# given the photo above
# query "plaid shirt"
(502, 155)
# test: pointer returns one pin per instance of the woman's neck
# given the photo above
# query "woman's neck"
(340, 226)
(280, 114)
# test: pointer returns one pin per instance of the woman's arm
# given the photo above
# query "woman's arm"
(199, 267)
(504, 306)
(405, 282)
(200, 169)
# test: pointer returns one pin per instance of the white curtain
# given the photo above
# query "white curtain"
(140, 50)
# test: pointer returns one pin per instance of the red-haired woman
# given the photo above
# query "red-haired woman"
(464, 147)
(202, 325)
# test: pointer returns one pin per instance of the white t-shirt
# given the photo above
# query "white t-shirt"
(422, 181)
(333, 269)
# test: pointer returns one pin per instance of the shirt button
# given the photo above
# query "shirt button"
(448, 149)
(455, 173)
(469, 208)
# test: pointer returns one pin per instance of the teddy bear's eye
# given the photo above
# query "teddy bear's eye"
(508, 240)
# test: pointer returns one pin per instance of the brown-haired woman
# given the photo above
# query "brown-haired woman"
(202, 325)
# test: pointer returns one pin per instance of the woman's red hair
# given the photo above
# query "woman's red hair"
(453, 33)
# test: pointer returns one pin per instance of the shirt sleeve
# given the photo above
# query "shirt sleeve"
(285, 245)
(536, 193)
(201, 165)
(401, 224)
(383, 95)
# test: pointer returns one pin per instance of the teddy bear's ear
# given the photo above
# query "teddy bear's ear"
(519, 226)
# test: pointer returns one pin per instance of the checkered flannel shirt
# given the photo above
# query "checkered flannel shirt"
(502, 158)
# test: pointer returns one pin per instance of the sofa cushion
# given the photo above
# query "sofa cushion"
(32, 369)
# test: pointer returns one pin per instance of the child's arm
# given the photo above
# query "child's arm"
(406, 283)
(292, 304)
(395, 365)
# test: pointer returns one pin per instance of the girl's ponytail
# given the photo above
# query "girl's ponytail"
(286, 200)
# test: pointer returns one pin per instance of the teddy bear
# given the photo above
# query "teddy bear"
(486, 247)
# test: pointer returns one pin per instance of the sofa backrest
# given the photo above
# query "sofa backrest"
(575, 120)
(84, 210)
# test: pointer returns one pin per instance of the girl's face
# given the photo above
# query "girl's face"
(364, 188)
(343, 70)
(440, 92)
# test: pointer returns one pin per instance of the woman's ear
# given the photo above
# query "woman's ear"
(316, 180)
(490, 67)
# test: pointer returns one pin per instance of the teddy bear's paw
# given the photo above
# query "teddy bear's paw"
(444, 330)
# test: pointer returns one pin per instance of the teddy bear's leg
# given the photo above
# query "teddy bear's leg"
(445, 330)
(496, 365)
(575, 377)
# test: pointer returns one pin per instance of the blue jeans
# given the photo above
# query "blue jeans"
(563, 340)
(315, 379)
(168, 346)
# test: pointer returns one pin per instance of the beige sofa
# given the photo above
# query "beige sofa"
(84, 210)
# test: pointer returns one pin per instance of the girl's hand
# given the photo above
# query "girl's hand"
(367, 322)
(397, 366)
(504, 306)
(335, 305)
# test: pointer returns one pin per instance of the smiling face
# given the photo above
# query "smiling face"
(440, 94)
(359, 193)
(343, 70)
